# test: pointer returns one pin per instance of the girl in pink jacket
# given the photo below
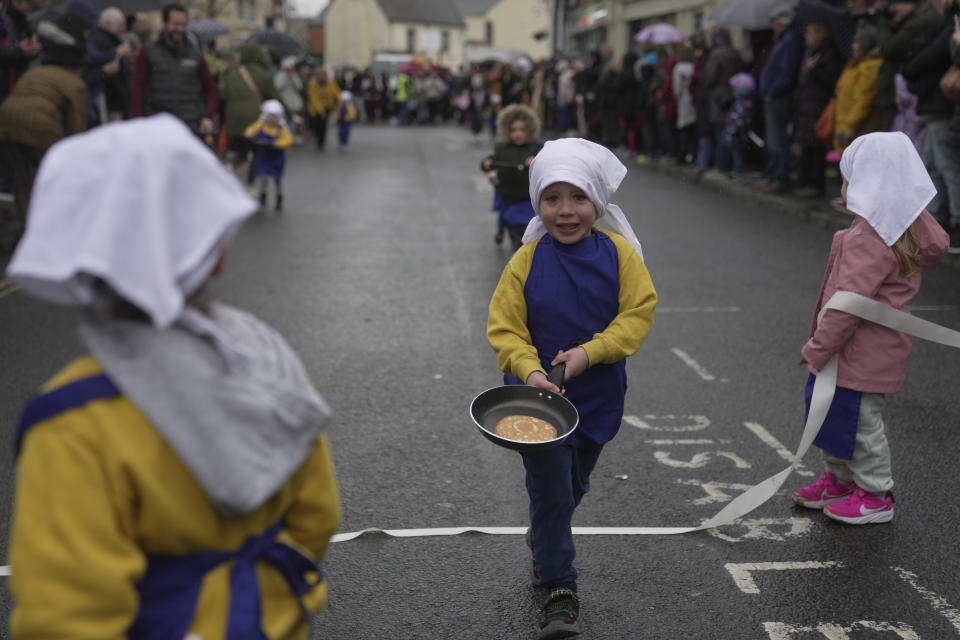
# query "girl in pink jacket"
(879, 256)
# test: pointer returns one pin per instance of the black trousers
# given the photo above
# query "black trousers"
(319, 123)
(19, 162)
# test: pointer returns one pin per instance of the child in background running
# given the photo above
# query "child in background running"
(881, 257)
(518, 128)
(271, 138)
(346, 114)
(570, 284)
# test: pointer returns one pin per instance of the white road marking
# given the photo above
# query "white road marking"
(698, 309)
(777, 446)
(4, 570)
(667, 443)
(700, 459)
(830, 631)
(692, 423)
(740, 571)
(765, 529)
(715, 490)
(693, 364)
(939, 604)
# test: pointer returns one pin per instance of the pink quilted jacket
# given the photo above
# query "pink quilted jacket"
(871, 358)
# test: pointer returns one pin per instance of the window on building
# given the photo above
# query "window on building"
(445, 41)
(488, 27)
(247, 10)
(411, 40)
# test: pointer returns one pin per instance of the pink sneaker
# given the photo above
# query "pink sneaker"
(862, 508)
(822, 492)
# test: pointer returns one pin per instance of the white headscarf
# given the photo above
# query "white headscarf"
(887, 183)
(273, 108)
(586, 165)
(141, 205)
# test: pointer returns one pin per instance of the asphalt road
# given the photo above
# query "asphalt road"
(380, 272)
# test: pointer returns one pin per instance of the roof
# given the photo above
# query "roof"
(475, 7)
(426, 11)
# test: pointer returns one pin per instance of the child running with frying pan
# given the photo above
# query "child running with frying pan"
(570, 283)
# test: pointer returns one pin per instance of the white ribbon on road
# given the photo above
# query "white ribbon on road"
(823, 390)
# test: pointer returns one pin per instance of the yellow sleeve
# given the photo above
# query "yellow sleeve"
(333, 95)
(351, 113)
(284, 139)
(253, 129)
(638, 299)
(74, 561)
(507, 329)
(314, 102)
(315, 514)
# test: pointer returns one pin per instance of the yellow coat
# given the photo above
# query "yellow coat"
(322, 99)
(98, 489)
(856, 89)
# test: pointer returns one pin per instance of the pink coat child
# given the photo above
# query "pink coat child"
(880, 256)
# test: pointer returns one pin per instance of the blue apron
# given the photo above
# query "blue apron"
(171, 585)
(517, 214)
(270, 160)
(573, 292)
(838, 434)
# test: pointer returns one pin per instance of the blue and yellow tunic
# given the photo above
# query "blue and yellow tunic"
(113, 538)
(271, 142)
(596, 292)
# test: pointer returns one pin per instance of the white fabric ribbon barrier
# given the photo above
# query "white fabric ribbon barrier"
(823, 391)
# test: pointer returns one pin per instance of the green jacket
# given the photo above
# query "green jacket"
(898, 44)
(242, 106)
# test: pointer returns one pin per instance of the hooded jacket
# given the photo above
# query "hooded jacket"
(872, 358)
(242, 103)
(47, 104)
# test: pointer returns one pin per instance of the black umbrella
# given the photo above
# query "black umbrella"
(207, 29)
(280, 44)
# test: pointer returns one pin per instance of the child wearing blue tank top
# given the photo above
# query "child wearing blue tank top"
(570, 284)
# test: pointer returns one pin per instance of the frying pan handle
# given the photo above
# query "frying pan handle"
(556, 375)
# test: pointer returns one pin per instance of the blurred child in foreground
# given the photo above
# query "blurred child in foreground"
(175, 481)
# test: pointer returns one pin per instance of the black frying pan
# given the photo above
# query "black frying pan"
(488, 408)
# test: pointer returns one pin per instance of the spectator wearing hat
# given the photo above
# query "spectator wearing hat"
(47, 104)
(17, 45)
(815, 86)
(737, 127)
(778, 79)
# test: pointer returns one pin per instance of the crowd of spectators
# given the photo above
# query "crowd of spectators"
(783, 110)
(821, 75)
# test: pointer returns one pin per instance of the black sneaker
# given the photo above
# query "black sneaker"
(263, 200)
(278, 207)
(499, 237)
(560, 615)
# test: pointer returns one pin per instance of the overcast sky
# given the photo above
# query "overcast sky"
(306, 8)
